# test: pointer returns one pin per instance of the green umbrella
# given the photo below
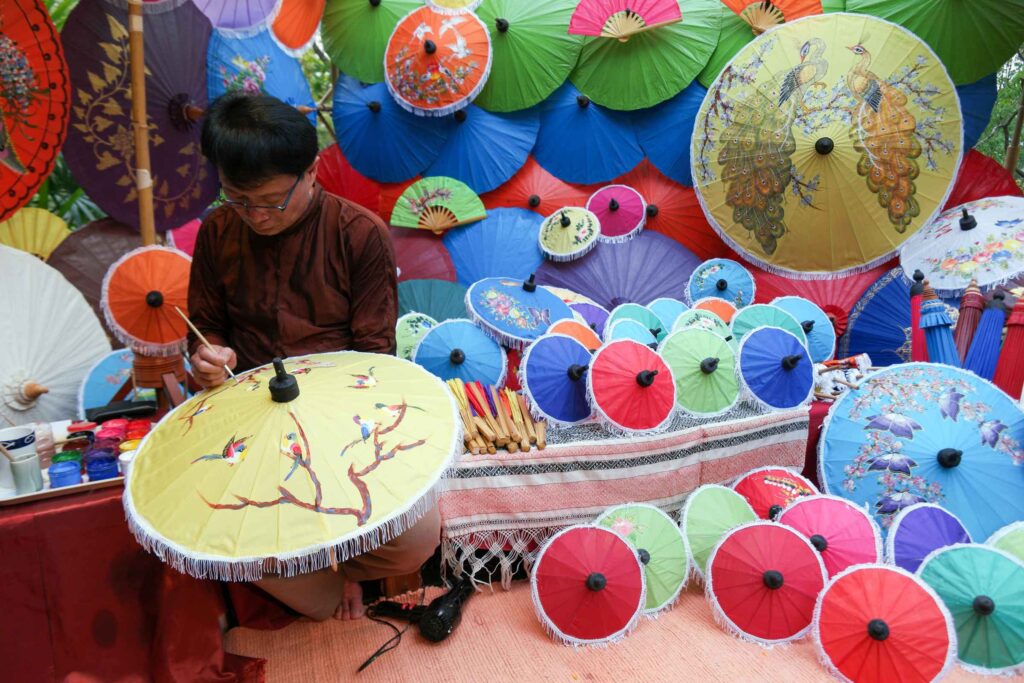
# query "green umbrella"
(640, 314)
(735, 34)
(649, 67)
(356, 33)
(972, 38)
(709, 514)
(983, 588)
(436, 298)
(704, 367)
(409, 329)
(660, 545)
(533, 52)
(705, 320)
(1009, 539)
(765, 315)
(829, 6)
(437, 203)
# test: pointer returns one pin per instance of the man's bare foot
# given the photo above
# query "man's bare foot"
(351, 605)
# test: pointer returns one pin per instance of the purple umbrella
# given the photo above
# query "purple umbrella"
(595, 315)
(919, 530)
(235, 13)
(100, 148)
(639, 271)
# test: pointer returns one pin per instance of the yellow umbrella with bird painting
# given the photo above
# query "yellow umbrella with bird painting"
(825, 144)
(294, 466)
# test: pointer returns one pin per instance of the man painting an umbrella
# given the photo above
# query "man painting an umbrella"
(285, 269)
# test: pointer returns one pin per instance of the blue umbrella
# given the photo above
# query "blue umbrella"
(107, 376)
(918, 531)
(553, 376)
(502, 245)
(594, 315)
(938, 330)
(485, 149)
(821, 336)
(458, 349)
(775, 368)
(988, 338)
(630, 329)
(513, 311)
(667, 311)
(879, 323)
(664, 132)
(254, 63)
(722, 278)
(379, 138)
(439, 299)
(925, 432)
(582, 142)
(976, 102)
(642, 315)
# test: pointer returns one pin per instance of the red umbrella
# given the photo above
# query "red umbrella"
(673, 210)
(389, 194)
(972, 303)
(841, 531)
(881, 623)
(337, 176)
(631, 387)
(979, 177)
(918, 342)
(769, 490)
(836, 296)
(588, 585)
(421, 255)
(35, 96)
(763, 579)
(514, 357)
(1010, 369)
(535, 189)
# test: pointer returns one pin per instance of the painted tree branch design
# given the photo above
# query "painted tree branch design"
(303, 459)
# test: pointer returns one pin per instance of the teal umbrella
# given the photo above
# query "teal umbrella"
(765, 315)
(640, 314)
(436, 298)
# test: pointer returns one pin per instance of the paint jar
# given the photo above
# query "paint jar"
(129, 445)
(100, 454)
(28, 478)
(102, 468)
(125, 461)
(65, 473)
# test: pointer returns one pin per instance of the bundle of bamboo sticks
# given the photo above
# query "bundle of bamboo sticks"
(496, 418)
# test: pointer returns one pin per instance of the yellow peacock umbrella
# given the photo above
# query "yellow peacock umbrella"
(36, 231)
(825, 144)
(293, 467)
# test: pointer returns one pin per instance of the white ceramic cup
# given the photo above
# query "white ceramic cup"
(28, 478)
(20, 442)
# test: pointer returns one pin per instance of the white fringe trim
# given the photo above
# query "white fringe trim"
(461, 104)
(723, 619)
(504, 338)
(308, 559)
(572, 255)
(140, 347)
(890, 539)
(536, 411)
(504, 356)
(607, 422)
(750, 393)
(1003, 532)
(471, 6)
(735, 371)
(684, 517)
(826, 661)
(549, 626)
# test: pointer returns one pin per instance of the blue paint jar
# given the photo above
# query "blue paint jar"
(65, 473)
(102, 468)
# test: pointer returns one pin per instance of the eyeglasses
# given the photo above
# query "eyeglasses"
(246, 206)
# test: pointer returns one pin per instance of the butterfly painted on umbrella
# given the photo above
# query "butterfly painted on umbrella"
(509, 310)
(234, 451)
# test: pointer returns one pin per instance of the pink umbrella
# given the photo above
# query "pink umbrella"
(842, 532)
(621, 210)
(183, 238)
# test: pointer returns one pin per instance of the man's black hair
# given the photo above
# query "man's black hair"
(252, 138)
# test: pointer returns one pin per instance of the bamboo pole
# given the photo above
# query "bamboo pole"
(1013, 151)
(140, 124)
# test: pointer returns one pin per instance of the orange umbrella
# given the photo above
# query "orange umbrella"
(295, 23)
(720, 307)
(535, 189)
(673, 210)
(578, 331)
(140, 293)
(437, 63)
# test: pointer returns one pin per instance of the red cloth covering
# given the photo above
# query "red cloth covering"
(82, 601)
(819, 409)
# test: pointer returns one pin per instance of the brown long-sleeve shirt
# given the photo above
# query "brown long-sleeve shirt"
(327, 283)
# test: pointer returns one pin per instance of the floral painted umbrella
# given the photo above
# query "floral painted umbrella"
(981, 176)
(770, 490)
(356, 32)
(34, 101)
(569, 233)
(924, 432)
(100, 150)
(277, 481)
(722, 278)
(514, 312)
(409, 329)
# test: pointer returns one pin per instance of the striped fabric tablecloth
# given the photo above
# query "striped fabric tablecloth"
(497, 509)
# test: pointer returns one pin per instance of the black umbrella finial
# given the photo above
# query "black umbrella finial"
(949, 457)
(530, 284)
(576, 371)
(722, 285)
(774, 511)
(645, 378)
(652, 210)
(655, 331)
(374, 106)
(533, 201)
(283, 385)
(645, 557)
(460, 116)
(808, 326)
(967, 221)
(154, 299)
(596, 582)
(819, 542)
(457, 357)
(983, 605)
(878, 629)
(917, 289)
(790, 362)
(429, 46)
(613, 204)
(583, 101)
(709, 365)
(374, 3)
(824, 146)
(501, 24)
(565, 221)
(998, 301)
(772, 579)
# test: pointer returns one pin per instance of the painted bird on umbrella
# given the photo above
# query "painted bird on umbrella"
(234, 451)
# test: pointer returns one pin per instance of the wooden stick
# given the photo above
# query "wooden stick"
(334, 560)
(524, 410)
(503, 436)
(6, 453)
(202, 340)
(514, 434)
(542, 442)
(140, 124)
(481, 424)
(845, 383)
(485, 407)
